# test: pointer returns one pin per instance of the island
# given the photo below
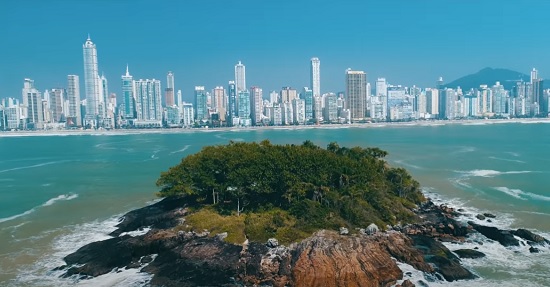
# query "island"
(261, 214)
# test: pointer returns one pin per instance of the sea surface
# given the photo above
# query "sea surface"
(58, 193)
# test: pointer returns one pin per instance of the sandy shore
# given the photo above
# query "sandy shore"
(325, 126)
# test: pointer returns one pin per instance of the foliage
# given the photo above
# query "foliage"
(210, 220)
(292, 190)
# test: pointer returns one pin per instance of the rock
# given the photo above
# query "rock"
(446, 263)
(371, 229)
(469, 253)
(272, 243)
(529, 236)
(221, 236)
(489, 220)
(490, 215)
(407, 283)
(461, 209)
(480, 217)
(504, 237)
(344, 231)
(146, 259)
(533, 249)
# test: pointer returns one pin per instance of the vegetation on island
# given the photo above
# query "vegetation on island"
(262, 190)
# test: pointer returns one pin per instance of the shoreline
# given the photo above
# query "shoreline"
(259, 128)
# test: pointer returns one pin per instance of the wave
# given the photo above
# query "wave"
(59, 198)
(490, 173)
(506, 159)
(520, 194)
(181, 150)
(50, 201)
(34, 165)
(403, 163)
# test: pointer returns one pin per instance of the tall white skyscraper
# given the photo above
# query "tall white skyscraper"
(240, 77)
(74, 117)
(92, 81)
(315, 77)
(32, 100)
(256, 99)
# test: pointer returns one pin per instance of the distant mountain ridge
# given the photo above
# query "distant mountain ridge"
(489, 77)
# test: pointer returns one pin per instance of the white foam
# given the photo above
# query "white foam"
(181, 150)
(403, 163)
(136, 232)
(17, 215)
(63, 197)
(491, 173)
(520, 194)
(506, 159)
(119, 277)
(33, 166)
(517, 193)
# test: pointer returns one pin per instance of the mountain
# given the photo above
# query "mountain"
(489, 77)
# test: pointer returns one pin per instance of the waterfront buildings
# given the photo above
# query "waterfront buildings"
(92, 83)
(169, 91)
(148, 103)
(73, 115)
(240, 77)
(33, 110)
(128, 96)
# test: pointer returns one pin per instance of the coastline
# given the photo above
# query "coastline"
(257, 128)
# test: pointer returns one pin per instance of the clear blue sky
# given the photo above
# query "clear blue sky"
(408, 42)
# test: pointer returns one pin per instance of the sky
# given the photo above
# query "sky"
(407, 42)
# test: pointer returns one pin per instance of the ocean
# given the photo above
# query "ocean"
(59, 192)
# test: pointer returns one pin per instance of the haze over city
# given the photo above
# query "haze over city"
(407, 43)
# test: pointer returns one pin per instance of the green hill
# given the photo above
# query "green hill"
(262, 190)
(488, 76)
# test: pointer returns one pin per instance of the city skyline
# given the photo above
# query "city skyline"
(406, 50)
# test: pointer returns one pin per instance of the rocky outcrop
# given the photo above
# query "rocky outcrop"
(530, 236)
(504, 237)
(178, 258)
(469, 253)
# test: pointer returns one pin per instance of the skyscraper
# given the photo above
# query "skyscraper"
(128, 96)
(244, 107)
(201, 108)
(57, 97)
(256, 98)
(74, 118)
(315, 76)
(307, 96)
(232, 99)
(218, 102)
(148, 103)
(91, 81)
(240, 77)
(287, 95)
(32, 100)
(169, 91)
(356, 93)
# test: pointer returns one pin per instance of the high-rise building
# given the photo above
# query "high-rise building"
(244, 107)
(356, 93)
(169, 91)
(57, 97)
(331, 108)
(128, 96)
(256, 99)
(240, 77)
(232, 100)
(500, 99)
(179, 99)
(219, 102)
(187, 114)
(315, 76)
(32, 101)
(148, 103)
(432, 101)
(274, 97)
(287, 95)
(104, 100)
(307, 96)
(299, 108)
(74, 118)
(92, 82)
(201, 108)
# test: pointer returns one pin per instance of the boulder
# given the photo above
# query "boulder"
(504, 237)
(529, 236)
(533, 249)
(469, 253)
(371, 229)
(344, 231)
(272, 243)
(490, 215)
(406, 283)
(480, 217)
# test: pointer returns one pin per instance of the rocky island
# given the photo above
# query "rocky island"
(258, 214)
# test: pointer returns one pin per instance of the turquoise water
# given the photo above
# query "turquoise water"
(60, 192)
